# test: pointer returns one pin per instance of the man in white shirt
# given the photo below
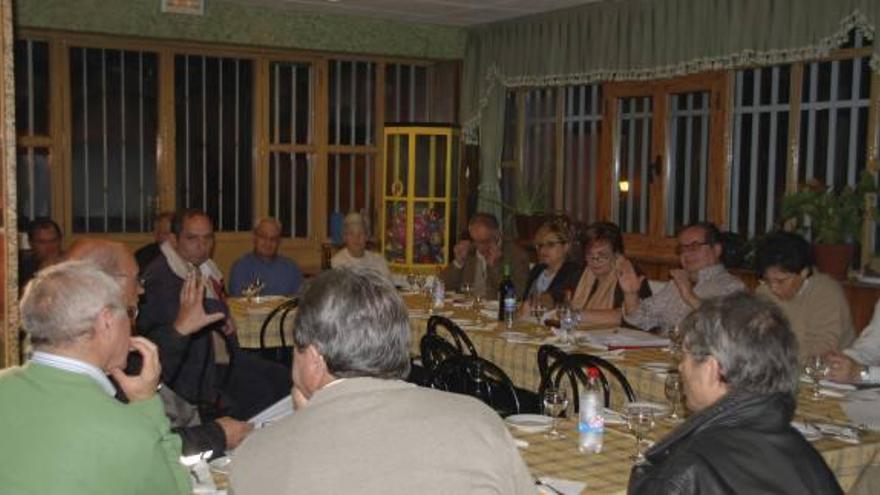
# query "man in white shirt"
(860, 363)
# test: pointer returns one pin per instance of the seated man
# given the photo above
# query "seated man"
(813, 302)
(161, 231)
(63, 431)
(114, 259)
(355, 253)
(358, 427)
(202, 363)
(860, 363)
(279, 276)
(478, 261)
(701, 276)
(740, 375)
(44, 237)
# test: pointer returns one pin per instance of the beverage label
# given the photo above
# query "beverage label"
(510, 304)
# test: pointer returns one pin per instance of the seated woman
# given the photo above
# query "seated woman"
(354, 235)
(598, 294)
(813, 302)
(553, 276)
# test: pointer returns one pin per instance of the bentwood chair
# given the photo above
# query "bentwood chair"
(573, 368)
(284, 354)
(479, 378)
(438, 325)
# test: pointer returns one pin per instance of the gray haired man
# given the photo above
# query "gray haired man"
(740, 375)
(358, 427)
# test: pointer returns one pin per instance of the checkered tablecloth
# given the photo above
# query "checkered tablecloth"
(249, 314)
(608, 472)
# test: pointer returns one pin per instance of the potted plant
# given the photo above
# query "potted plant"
(836, 216)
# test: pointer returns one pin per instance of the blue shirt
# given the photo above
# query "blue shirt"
(281, 276)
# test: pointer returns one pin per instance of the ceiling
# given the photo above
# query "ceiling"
(448, 12)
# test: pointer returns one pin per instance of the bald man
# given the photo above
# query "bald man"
(279, 275)
(115, 260)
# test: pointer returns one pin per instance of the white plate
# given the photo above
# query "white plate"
(809, 431)
(529, 423)
(221, 464)
(516, 337)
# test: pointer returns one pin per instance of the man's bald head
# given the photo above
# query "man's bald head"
(113, 258)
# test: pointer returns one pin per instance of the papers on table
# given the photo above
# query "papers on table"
(621, 338)
(273, 413)
(554, 486)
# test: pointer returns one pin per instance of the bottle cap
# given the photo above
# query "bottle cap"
(592, 372)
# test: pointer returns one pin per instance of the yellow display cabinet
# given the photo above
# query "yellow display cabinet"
(417, 198)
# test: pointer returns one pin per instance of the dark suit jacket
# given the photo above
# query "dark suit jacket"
(187, 360)
(565, 279)
(453, 277)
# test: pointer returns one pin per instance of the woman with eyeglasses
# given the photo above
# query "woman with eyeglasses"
(598, 295)
(554, 275)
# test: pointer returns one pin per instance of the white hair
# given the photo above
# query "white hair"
(355, 219)
(62, 302)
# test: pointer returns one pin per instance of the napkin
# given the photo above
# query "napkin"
(567, 487)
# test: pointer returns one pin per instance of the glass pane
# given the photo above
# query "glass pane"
(290, 100)
(290, 177)
(397, 168)
(407, 93)
(688, 159)
(582, 126)
(31, 87)
(213, 119)
(634, 163)
(539, 160)
(395, 231)
(429, 233)
(431, 166)
(351, 103)
(350, 184)
(34, 185)
(114, 126)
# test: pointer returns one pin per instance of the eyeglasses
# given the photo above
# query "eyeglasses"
(599, 258)
(689, 248)
(132, 312)
(549, 244)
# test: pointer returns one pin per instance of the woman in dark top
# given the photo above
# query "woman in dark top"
(553, 276)
(598, 294)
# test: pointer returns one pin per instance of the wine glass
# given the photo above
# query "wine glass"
(537, 306)
(675, 341)
(411, 280)
(672, 388)
(477, 306)
(816, 368)
(640, 420)
(555, 402)
(568, 319)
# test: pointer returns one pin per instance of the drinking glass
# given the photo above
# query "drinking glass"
(568, 319)
(816, 368)
(675, 342)
(537, 306)
(411, 280)
(672, 388)
(555, 402)
(640, 420)
(466, 291)
(477, 305)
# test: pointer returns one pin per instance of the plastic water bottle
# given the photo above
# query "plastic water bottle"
(591, 419)
(439, 293)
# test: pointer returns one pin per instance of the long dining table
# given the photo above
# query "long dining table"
(608, 472)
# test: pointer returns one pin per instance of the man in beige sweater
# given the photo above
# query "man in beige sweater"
(813, 302)
(357, 427)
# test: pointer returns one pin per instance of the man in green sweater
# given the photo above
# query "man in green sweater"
(62, 430)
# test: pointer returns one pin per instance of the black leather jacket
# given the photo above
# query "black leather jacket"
(745, 444)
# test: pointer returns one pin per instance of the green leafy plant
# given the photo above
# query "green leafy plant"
(835, 216)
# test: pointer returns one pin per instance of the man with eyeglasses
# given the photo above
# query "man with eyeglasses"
(114, 259)
(701, 276)
(63, 431)
(478, 261)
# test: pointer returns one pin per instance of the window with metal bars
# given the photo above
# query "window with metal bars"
(290, 165)
(688, 145)
(635, 118)
(33, 173)
(582, 126)
(761, 109)
(407, 93)
(214, 135)
(114, 124)
(351, 158)
(539, 152)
